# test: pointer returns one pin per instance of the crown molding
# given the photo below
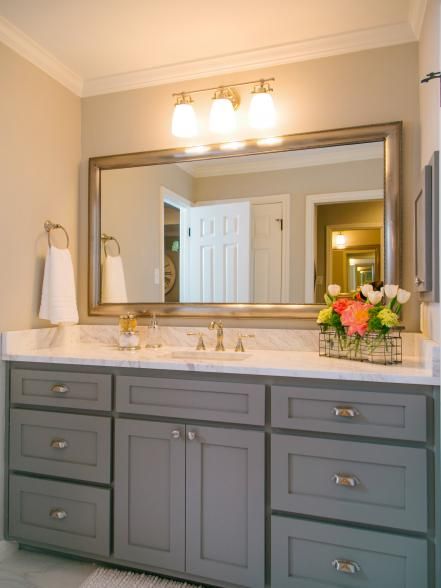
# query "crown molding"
(283, 160)
(22, 44)
(223, 64)
(260, 58)
(417, 11)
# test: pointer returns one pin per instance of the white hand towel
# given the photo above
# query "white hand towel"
(58, 298)
(113, 281)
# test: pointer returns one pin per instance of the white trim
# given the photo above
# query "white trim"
(327, 46)
(417, 11)
(25, 46)
(285, 199)
(170, 197)
(311, 203)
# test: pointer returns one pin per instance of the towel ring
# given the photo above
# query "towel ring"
(106, 238)
(50, 226)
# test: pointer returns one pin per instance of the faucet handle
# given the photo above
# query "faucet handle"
(239, 344)
(200, 344)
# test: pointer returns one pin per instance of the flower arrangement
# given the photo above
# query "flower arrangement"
(362, 323)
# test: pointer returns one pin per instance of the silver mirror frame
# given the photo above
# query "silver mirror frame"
(389, 133)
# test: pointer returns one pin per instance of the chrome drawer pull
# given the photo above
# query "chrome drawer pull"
(346, 412)
(346, 566)
(58, 514)
(59, 444)
(59, 389)
(191, 435)
(345, 480)
(176, 434)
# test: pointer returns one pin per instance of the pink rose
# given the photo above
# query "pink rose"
(342, 304)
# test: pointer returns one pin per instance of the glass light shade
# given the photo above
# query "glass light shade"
(222, 116)
(340, 241)
(262, 113)
(184, 123)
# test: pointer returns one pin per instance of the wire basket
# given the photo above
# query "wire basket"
(372, 347)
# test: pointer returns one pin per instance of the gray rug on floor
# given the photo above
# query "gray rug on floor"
(108, 578)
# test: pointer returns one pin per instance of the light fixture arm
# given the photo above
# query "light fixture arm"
(261, 81)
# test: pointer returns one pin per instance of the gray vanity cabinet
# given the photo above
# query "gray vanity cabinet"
(190, 490)
(225, 480)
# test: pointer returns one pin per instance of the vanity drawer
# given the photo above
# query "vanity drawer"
(191, 399)
(351, 412)
(307, 555)
(359, 482)
(56, 513)
(61, 389)
(64, 445)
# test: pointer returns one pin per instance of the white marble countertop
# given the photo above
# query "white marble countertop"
(90, 351)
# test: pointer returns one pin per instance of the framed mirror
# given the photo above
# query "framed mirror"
(245, 229)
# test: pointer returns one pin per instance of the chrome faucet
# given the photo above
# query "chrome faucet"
(220, 334)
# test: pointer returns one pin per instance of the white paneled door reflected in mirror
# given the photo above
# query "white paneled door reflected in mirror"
(267, 228)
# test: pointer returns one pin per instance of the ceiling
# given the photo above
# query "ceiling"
(97, 46)
(284, 160)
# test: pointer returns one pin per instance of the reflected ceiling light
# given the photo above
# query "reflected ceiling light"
(197, 150)
(232, 146)
(184, 123)
(222, 115)
(340, 241)
(262, 113)
(269, 141)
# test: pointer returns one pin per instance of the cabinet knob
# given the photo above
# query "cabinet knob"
(58, 514)
(346, 566)
(418, 281)
(176, 434)
(59, 389)
(191, 435)
(59, 444)
(345, 480)
(346, 412)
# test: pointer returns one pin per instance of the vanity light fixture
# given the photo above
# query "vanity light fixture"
(226, 101)
(262, 113)
(340, 241)
(184, 123)
(222, 115)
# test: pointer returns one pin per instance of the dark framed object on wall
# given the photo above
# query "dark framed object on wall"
(427, 233)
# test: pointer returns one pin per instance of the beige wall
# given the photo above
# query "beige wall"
(40, 128)
(430, 60)
(368, 87)
(131, 211)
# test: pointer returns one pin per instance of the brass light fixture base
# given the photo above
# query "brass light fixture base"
(230, 94)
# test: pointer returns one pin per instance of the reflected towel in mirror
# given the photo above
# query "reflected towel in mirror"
(113, 281)
(58, 298)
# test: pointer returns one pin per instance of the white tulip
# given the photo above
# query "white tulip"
(402, 296)
(374, 297)
(366, 288)
(391, 290)
(334, 289)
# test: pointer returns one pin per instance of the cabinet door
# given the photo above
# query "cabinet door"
(150, 493)
(225, 505)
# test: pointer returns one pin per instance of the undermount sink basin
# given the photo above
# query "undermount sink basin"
(210, 355)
